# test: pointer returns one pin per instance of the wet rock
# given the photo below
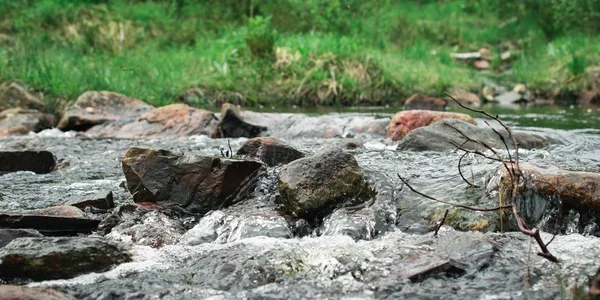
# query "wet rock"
(7, 235)
(205, 231)
(465, 98)
(342, 145)
(418, 101)
(509, 98)
(314, 185)
(64, 223)
(232, 125)
(102, 200)
(359, 225)
(267, 224)
(440, 136)
(19, 121)
(94, 108)
(548, 187)
(18, 292)
(60, 211)
(269, 150)
(197, 183)
(147, 227)
(424, 269)
(13, 95)
(45, 258)
(472, 250)
(329, 126)
(405, 121)
(39, 162)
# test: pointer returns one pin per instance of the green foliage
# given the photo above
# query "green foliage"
(260, 37)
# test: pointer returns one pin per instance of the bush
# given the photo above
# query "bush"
(260, 38)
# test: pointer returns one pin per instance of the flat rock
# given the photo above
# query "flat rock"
(9, 234)
(48, 224)
(102, 200)
(19, 121)
(269, 150)
(418, 101)
(39, 162)
(440, 136)
(405, 121)
(509, 98)
(19, 292)
(232, 124)
(45, 258)
(94, 108)
(13, 95)
(196, 183)
(313, 186)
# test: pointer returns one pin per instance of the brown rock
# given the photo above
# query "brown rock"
(17, 292)
(418, 101)
(12, 95)
(269, 150)
(40, 162)
(196, 183)
(405, 121)
(465, 98)
(173, 120)
(19, 121)
(94, 108)
(589, 97)
(233, 125)
(102, 200)
(481, 64)
(65, 211)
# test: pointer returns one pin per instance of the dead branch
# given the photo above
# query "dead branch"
(460, 171)
(441, 223)
(535, 234)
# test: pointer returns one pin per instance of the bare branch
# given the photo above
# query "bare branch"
(535, 234)
(460, 171)
(441, 223)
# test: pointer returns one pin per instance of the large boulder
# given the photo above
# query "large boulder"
(405, 121)
(19, 121)
(441, 136)
(232, 124)
(418, 101)
(94, 108)
(13, 95)
(58, 257)
(196, 183)
(269, 150)
(18, 292)
(175, 120)
(313, 186)
(548, 188)
(39, 162)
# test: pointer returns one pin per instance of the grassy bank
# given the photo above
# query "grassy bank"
(335, 52)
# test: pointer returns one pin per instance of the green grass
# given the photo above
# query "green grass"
(334, 52)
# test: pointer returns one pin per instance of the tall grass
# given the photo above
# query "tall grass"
(330, 52)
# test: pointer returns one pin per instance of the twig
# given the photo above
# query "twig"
(535, 234)
(450, 203)
(441, 223)
(460, 171)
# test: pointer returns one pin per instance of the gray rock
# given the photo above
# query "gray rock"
(267, 224)
(13, 95)
(509, 98)
(205, 231)
(313, 186)
(102, 200)
(39, 162)
(19, 121)
(359, 225)
(49, 225)
(232, 125)
(196, 183)
(269, 150)
(7, 235)
(440, 136)
(58, 257)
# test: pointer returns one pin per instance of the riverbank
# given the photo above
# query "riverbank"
(292, 53)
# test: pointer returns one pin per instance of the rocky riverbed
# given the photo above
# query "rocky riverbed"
(313, 209)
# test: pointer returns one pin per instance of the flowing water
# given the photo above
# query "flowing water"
(381, 252)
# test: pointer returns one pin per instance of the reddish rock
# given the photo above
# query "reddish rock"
(66, 211)
(405, 121)
(12, 95)
(20, 121)
(418, 101)
(173, 120)
(18, 292)
(481, 64)
(94, 108)
(269, 150)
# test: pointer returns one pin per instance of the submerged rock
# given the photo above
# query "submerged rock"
(196, 183)
(18, 292)
(406, 121)
(205, 231)
(39, 162)
(233, 125)
(102, 200)
(315, 185)
(7, 235)
(418, 101)
(94, 108)
(58, 257)
(147, 227)
(267, 224)
(359, 225)
(13, 95)
(269, 150)
(441, 136)
(19, 121)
